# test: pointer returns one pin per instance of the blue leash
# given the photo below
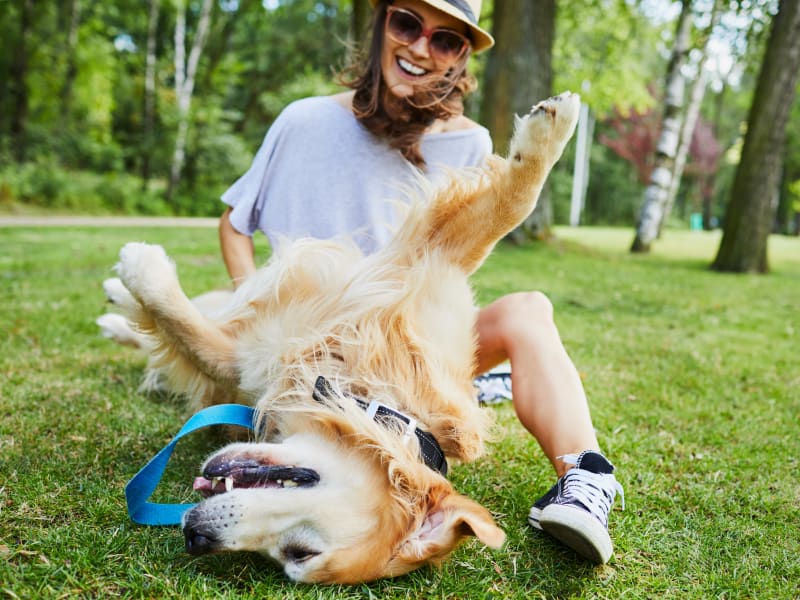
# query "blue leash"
(143, 484)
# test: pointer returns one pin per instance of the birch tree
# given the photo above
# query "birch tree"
(70, 47)
(753, 199)
(149, 90)
(185, 72)
(696, 95)
(655, 195)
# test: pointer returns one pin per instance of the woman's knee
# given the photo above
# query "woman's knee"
(522, 308)
(513, 324)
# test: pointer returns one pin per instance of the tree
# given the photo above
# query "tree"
(691, 117)
(753, 199)
(70, 47)
(655, 196)
(19, 85)
(519, 73)
(148, 120)
(635, 139)
(359, 20)
(185, 72)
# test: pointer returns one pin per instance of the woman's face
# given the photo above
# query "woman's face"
(405, 65)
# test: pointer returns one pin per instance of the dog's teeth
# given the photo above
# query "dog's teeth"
(228, 484)
(279, 482)
(289, 483)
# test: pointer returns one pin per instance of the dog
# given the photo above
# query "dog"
(360, 369)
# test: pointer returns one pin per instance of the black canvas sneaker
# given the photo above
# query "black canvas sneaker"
(575, 510)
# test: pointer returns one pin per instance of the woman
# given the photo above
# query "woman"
(326, 160)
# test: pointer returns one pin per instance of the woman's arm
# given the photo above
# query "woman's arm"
(237, 250)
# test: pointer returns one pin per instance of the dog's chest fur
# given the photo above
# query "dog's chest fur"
(324, 310)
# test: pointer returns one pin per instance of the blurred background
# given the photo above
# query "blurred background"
(155, 107)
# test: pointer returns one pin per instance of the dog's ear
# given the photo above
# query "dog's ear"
(449, 520)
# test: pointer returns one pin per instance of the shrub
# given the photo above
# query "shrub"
(47, 185)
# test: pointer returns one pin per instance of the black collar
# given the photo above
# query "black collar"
(432, 454)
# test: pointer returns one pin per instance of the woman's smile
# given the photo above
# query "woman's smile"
(410, 68)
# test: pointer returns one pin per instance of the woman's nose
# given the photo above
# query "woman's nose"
(420, 47)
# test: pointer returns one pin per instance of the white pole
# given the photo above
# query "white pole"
(581, 167)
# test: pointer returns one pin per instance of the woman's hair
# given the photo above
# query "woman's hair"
(402, 121)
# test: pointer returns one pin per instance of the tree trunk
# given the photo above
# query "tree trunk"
(148, 117)
(655, 195)
(687, 129)
(518, 74)
(72, 63)
(185, 72)
(359, 20)
(748, 220)
(696, 95)
(19, 74)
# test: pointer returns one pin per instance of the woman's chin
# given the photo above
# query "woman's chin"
(402, 90)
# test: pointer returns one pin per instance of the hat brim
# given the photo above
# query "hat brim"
(481, 39)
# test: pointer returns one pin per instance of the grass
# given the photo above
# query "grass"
(692, 377)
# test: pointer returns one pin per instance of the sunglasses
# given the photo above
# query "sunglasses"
(405, 27)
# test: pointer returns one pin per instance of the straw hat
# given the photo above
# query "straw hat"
(466, 11)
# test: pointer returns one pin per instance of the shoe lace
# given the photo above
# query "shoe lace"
(583, 486)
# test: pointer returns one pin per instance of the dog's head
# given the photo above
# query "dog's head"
(331, 509)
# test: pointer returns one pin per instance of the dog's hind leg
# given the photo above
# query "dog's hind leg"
(466, 218)
(187, 340)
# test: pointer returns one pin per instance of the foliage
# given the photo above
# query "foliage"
(50, 186)
(693, 396)
(635, 139)
(605, 50)
(262, 55)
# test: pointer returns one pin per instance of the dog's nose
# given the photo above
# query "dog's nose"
(197, 543)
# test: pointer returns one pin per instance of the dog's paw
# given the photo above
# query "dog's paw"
(146, 271)
(117, 328)
(543, 133)
(118, 294)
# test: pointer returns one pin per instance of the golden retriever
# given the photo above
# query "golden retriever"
(331, 491)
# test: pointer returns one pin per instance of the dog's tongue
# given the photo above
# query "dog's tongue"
(201, 483)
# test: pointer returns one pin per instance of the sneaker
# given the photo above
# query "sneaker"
(493, 386)
(575, 510)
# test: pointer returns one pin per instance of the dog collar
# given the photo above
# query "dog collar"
(431, 451)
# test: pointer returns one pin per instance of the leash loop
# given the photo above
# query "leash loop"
(144, 483)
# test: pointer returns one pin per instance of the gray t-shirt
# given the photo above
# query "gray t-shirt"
(319, 173)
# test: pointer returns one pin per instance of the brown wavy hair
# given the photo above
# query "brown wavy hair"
(402, 121)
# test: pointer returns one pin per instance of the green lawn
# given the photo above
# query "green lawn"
(693, 379)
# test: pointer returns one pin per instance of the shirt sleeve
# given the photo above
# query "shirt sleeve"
(246, 196)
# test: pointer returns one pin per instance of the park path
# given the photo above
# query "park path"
(73, 221)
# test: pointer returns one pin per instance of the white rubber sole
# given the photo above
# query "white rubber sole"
(533, 517)
(578, 530)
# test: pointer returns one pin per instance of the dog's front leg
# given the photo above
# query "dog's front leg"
(164, 311)
(466, 219)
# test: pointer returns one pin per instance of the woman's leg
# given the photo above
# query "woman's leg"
(550, 402)
(547, 391)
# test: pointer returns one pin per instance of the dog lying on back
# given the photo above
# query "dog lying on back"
(360, 369)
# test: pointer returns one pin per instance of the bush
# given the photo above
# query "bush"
(48, 185)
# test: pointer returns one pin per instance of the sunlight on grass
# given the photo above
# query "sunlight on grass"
(692, 377)
(677, 244)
